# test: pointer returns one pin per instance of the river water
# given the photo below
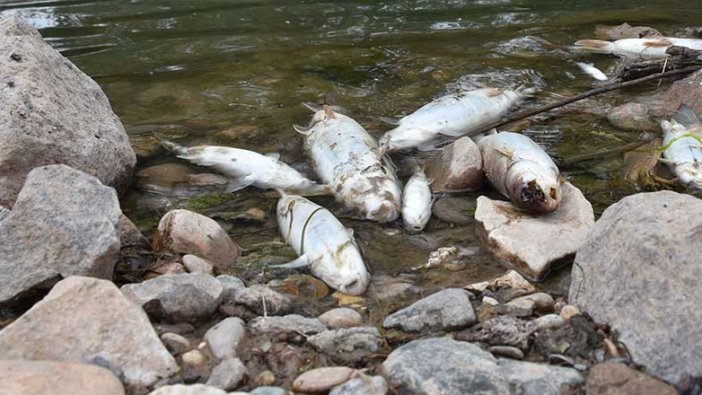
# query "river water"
(234, 73)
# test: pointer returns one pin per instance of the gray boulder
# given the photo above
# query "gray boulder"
(638, 271)
(88, 320)
(48, 377)
(443, 366)
(534, 244)
(457, 167)
(445, 310)
(177, 297)
(527, 378)
(52, 113)
(64, 223)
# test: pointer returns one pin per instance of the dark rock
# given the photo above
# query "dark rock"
(54, 114)
(578, 337)
(64, 223)
(445, 310)
(500, 331)
(175, 343)
(625, 30)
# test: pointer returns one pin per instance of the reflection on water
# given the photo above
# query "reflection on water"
(235, 72)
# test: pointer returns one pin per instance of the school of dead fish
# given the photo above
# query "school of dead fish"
(354, 167)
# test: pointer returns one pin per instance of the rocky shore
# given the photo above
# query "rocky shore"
(628, 325)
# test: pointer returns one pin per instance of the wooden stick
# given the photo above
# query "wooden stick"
(601, 154)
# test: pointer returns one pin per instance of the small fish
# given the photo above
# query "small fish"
(521, 170)
(451, 115)
(682, 143)
(637, 48)
(346, 157)
(416, 201)
(592, 71)
(322, 243)
(248, 168)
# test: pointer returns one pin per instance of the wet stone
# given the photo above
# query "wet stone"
(322, 379)
(632, 116)
(375, 385)
(578, 337)
(254, 296)
(341, 317)
(454, 210)
(529, 378)
(500, 331)
(227, 374)
(292, 323)
(445, 310)
(225, 337)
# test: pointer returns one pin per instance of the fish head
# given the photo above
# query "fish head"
(416, 221)
(690, 174)
(534, 194)
(380, 209)
(344, 270)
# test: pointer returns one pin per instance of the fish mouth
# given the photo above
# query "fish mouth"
(354, 287)
(533, 198)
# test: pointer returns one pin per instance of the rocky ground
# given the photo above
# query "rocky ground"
(190, 328)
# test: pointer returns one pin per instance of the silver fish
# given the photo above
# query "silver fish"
(521, 170)
(249, 168)
(682, 140)
(451, 115)
(592, 71)
(637, 48)
(346, 158)
(416, 201)
(323, 244)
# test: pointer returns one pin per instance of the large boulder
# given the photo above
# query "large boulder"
(64, 223)
(49, 377)
(187, 232)
(638, 271)
(534, 244)
(88, 320)
(52, 113)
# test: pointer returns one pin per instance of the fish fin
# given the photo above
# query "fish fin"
(657, 42)
(237, 184)
(273, 155)
(389, 120)
(329, 112)
(169, 145)
(596, 46)
(311, 106)
(492, 92)
(686, 116)
(428, 146)
(314, 190)
(506, 152)
(301, 261)
(302, 130)
(666, 161)
(524, 91)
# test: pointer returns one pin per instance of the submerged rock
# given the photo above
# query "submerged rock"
(633, 116)
(611, 378)
(444, 366)
(64, 223)
(636, 272)
(177, 297)
(187, 232)
(457, 167)
(88, 320)
(49, 377)
(52, 113)
(445, 310)
(534, 244)
(527, 378)
(175, 179)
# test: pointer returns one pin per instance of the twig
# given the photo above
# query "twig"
(601, 154)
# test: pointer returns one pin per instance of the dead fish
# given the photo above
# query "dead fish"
(637, 48)
(416, 201)
(521, 170)
(248, 168)
(346, 158)
(322, 243)
(451, 115)
(682, 146)
(592, 71)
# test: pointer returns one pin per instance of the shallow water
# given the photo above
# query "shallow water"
(235, 72)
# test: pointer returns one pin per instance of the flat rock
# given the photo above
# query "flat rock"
(254, 296)
(445, 310)
(457, 167)
(373, 385)
(611, 378)
(341, 317)
(48, 377)
(227, 374)
(637, 272)
(534, 244)
(443, 366)
(500, 331)
(64, 223)
(192, 389)
(177, 297)
(89, 320)
(53, 113)
(187, 232)
(225, 337)
(292, 323)
(322, 379)
(347, 343)
(527, 378)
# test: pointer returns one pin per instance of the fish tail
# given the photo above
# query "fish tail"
(314, 107)
(523, 91)
(170, 146)
(596, 46)
(316, 190)
(686, 116)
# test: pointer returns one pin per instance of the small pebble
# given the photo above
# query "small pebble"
(549, 321)
(611, 348)
(507, 351)
(322, 379)
(569, 311)
(195, 264)
(175, 343)
(490, 301)
(194, 358)
(341, 317)
(348, 300)
(265, 378)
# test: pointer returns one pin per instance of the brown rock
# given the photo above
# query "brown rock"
(187, 232)
(625, 30)
(49, 377)
(611, 378)
(322, 379)
(458, 167)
